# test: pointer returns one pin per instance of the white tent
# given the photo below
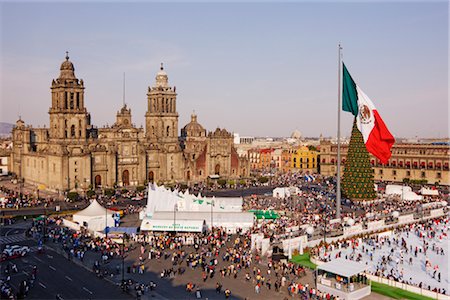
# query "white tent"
(404, 191)
(411, 196)
(392, 189)
(281, 193)
(162, 199)
(429, 192)
(95, 217)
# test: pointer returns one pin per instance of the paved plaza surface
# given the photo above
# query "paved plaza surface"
(74, 279)
(55, 274)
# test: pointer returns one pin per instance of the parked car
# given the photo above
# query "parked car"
(16, 250)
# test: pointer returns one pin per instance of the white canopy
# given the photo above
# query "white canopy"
(392, 189)
(343, 267)
(281, 193)
(94, 209)
(95, 217)
(429, 192)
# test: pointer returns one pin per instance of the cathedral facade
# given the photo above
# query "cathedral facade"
(72, 154)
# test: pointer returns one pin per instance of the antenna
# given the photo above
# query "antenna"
(123, 89)
(18, 111)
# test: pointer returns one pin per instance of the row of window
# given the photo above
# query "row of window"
(408, 173)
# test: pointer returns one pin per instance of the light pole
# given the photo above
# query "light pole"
(212, 204)
(175, 208)
(124, 238)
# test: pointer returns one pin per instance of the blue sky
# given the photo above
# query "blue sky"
(261, 69)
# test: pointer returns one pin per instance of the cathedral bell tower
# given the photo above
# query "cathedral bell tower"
(161, 118)
(68, 116)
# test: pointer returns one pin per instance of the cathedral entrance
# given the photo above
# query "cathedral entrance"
(98, 181)
(126, 178)
(151, 176)
(217, 169)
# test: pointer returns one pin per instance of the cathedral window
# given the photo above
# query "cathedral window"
(72, 131)
(65, 135)
(168, 131)
(78, 101)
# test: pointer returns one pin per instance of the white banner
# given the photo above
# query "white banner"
(406, 218)
(353, 229)
(265, 245)
(292, 244)
(375, 225)
(437, 212)
(257, 241)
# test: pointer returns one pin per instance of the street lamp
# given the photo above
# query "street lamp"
(212, 213)
(175, 208)
(124, 238)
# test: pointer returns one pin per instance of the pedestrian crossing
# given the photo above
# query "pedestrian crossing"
(11, 239)
(20, 225)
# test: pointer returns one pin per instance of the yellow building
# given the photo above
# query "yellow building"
(304, 159)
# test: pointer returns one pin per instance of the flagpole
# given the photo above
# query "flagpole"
(338, 177)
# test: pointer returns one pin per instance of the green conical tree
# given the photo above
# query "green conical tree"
(358, 183)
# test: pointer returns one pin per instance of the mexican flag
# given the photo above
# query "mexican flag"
(376, 136)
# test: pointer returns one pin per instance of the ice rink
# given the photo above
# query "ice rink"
(397, 257)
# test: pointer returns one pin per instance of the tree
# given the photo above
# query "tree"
(358, 181)
(263, 179)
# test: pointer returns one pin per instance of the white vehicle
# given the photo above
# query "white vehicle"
(16, 250)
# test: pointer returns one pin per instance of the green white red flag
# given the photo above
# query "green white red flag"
(376, 135)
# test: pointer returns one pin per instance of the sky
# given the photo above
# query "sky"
(255, 68)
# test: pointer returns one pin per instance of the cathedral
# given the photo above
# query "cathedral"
(72, 154)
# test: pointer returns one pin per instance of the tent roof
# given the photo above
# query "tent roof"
(343, 267)
(94, 209)
(429, 192)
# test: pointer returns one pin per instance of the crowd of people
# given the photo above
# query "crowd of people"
(394, 254)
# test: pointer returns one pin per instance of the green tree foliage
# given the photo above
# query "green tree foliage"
(222, 182)
(73, 196)
(358, 180)
(263, 179)
(90, 193)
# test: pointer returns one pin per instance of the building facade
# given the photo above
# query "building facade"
(409, 161)
(74, 154)
(304, 159)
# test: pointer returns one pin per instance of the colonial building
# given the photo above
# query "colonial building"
(304, 159)
(429, 162)
(74, 154)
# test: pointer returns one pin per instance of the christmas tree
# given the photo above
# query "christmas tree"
(358, 183)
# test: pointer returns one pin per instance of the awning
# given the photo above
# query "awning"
(127, 230)
(265, 214)
(343, 267)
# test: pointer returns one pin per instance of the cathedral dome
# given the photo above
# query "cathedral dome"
(193, 128)
(67, 69)
(161, 78)
(296, 134)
